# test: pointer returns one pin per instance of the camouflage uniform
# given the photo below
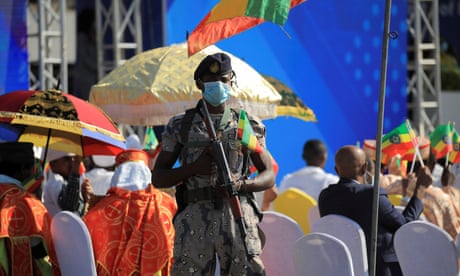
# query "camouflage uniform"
(206, 227)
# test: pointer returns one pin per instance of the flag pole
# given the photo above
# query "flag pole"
(415, 144)
(383, 77)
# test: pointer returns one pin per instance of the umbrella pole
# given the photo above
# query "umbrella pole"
(378, 159)
(46, 149)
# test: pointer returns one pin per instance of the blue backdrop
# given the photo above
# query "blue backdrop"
(14, 65)
(331, 58)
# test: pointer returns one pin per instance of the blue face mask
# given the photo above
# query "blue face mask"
(216, 92)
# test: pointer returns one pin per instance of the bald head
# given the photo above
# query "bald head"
(350, 162)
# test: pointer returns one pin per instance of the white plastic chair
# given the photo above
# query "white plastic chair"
(424, 249)
(313, 214)
(73, 245)
(348, 231)
(320, 254)
(281, 233)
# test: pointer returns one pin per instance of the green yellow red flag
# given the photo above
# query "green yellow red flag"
(231, 17)
(399, 141)
(454, 155)
(246, 134)
(441, 140)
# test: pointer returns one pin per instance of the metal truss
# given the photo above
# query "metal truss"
(119, 33)
(49, 16)
(424, 79)
(119, 37)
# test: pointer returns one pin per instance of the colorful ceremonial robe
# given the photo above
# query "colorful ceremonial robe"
(440, 210)
(23, 216)
(132, 232)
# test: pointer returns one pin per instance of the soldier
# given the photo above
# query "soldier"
(205, 226)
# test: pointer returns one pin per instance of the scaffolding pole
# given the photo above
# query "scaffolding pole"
(49, 16)
(424, 79)
(118, 32)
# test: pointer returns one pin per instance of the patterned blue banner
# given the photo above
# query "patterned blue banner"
(14, 65)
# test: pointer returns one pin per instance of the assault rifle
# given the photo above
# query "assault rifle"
(225, 175)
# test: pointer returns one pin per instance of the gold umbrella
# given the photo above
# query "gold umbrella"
(291, 105)
(152, 86)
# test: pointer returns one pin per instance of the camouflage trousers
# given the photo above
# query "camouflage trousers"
(204, 232)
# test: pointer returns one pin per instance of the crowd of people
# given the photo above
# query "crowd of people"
(191, 207)
(427, 189)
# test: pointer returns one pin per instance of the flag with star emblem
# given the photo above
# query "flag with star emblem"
(399, 141)
(441, 140)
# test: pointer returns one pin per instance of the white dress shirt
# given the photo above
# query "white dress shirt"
(309, 179)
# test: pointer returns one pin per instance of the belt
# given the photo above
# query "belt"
(212, 194)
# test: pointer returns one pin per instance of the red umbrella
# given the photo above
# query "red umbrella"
(60, 121)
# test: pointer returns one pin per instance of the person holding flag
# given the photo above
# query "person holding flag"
(400, 141)
(352, 197)
(206, 223)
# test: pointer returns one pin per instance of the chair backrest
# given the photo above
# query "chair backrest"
(457, 244)
(281, 233)
(395, 199)
(73, 245)
(296, 204)
(348, 231)
(313, 214)
(425, 249)
(320, 254)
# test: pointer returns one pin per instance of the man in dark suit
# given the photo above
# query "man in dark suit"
(350, 198)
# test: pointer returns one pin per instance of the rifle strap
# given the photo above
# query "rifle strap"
(187, 125)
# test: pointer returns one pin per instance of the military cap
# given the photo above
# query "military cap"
(215, 64)
(17, 152)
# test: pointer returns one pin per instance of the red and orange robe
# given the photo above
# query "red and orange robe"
(24, 216)
(132, 232)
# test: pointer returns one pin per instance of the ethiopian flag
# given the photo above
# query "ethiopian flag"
(441, 140)
(454, 155)
(246, 134)
(399, 141)
(231, 17)
(150, 139)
